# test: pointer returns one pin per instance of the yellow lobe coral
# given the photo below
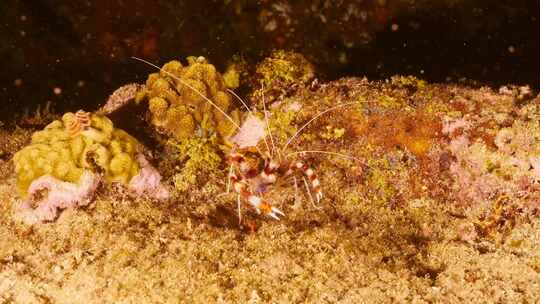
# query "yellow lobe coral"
(77, 147)
(77, 142)
(120, 163)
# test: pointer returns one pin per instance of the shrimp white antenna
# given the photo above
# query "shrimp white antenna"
(311, 120)
(240, 99)
(310, 194)
(324, 152)
(268, 124)
(189, 86)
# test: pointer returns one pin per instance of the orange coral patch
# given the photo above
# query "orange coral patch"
(413, 131)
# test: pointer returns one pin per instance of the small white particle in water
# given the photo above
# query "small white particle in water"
(394, 27)
(511, 49)
(342, 58)
(23, 17)
(23, 33)
(57, 90)
(17, 82)
(421, 71)
(270, 26)
(80, 83)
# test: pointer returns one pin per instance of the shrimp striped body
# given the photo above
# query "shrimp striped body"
(315, 184)
(260, 205)
(250, 184)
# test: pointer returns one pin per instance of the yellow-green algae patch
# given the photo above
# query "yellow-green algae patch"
(236, 72)
(199, 156)
(285, 68)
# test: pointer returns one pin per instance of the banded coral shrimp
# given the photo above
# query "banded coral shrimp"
(253, 172)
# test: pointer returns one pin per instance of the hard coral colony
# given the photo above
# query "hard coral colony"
(65, 162)
(191, 100)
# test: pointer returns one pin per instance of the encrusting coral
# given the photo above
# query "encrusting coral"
(178, 100)
(199, 156)
(68, 151)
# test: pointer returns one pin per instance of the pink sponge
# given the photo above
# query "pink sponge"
(48, 194)
(148, 182)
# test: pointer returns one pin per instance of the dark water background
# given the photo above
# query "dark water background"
(75, 53)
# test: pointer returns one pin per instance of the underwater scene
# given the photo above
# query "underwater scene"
(235, 151)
